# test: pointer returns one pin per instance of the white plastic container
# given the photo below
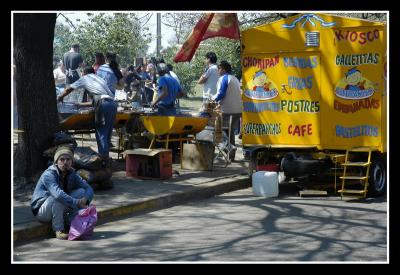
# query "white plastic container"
(265, 184)
(281, 177)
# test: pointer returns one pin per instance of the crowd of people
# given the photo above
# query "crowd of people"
(101, 81)
(60, 192)
(158, 84)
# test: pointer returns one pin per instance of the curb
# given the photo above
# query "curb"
(220, 186)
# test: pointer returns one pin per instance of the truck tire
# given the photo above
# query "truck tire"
(377, 177)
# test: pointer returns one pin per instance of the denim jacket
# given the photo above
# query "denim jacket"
(50, 184)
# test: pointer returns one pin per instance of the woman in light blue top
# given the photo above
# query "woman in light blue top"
(111, 73)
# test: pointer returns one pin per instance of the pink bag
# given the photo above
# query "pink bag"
(83, 224)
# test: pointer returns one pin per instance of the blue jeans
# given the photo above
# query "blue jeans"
(53, 210)
(108, 109)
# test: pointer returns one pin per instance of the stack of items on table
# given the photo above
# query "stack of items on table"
(215, 121)
(69, 105)
(79, 95)
(86, 161)
(216, 132)
(122, 100)
(213, 110)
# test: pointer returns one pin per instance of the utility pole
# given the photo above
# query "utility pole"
(158, 34)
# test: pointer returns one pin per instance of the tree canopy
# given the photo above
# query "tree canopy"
(125, 35)
(120, 33)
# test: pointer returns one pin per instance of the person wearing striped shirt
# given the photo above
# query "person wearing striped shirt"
(104, 104)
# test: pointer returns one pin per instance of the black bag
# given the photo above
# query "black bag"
(64, 138)
(86, 158)
(98, 176)
(99, 180)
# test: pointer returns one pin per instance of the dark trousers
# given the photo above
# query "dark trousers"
(234, 126)
(147, 97)
(72, 78)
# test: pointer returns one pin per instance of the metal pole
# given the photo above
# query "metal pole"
(158, 34)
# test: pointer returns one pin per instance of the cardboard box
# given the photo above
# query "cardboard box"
(148, 163)
(192, 159)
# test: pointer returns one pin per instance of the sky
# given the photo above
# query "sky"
(166, 32)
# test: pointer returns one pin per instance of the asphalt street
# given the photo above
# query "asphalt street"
(236, 226)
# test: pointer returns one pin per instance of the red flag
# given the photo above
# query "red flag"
(210, 25)
(192, 42)
(223, 24)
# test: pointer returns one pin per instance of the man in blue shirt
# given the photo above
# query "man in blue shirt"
(60, 190)
(168, 91)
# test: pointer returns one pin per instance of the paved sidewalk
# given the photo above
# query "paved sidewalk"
(133, 196)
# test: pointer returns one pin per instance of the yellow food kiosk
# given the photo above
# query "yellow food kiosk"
(315, 84)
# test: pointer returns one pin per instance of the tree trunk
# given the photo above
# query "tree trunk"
(35, 89)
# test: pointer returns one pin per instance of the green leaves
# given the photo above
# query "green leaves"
(190, 72)
(119, 33)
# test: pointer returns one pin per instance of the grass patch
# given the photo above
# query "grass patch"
(193, 101)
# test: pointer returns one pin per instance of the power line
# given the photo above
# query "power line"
(67, 19)
(144, 24)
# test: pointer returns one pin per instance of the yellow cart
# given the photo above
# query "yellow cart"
(85, 121)
(315, 83)
(181, 125)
